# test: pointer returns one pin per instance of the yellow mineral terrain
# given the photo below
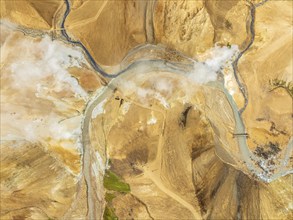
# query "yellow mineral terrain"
(33, 14)
(30, 182)
(268, 115)
(136, 109)
(108, 27)
(195, 26)
(168, 159)
(43, 92)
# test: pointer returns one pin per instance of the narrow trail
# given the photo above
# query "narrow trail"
(154, 176)
(157, 181)
(95, 209)
(91, 60)
(91, 19)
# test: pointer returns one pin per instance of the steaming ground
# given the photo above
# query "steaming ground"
(34, 73)
(38, 93)
(216, 59)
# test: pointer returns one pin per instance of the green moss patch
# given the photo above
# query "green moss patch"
(109, 197)
(109, 214)
(114, 182)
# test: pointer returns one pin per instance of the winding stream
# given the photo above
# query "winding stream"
(154, 65)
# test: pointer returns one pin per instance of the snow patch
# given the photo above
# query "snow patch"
(152, 120)
(99, 109)
(98, 165)
(229, 83)
(125, 107)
